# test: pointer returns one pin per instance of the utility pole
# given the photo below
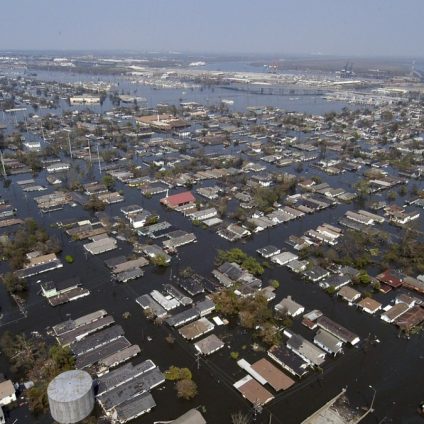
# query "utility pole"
(69, 144)
(98, 159)
(198, 361)
(370, 409)
(89, 150)
(2, 165)
(42, 131)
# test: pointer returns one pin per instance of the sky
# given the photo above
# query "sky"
(317, 27)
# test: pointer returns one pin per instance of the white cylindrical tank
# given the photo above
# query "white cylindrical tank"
(71, 396)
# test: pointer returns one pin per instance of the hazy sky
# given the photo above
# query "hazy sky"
(341, 27)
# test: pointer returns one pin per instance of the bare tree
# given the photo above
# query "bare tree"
(240, 418)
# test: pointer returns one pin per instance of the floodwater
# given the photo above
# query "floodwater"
(208, 96)
(393, 366)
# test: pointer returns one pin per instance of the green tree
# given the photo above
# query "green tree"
(234, 355)
(109, 182)
(13, 283)
(274, 283)
(160, 261)
(94, 204)
(174, 373)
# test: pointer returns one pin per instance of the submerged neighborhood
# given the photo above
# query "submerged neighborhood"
(177, 247)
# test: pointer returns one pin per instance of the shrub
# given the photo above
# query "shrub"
(234, 355)
(69, 259)
(274, 283)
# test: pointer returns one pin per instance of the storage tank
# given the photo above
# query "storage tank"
(71, 396)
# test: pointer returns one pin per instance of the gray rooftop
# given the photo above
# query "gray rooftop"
(125, 392)
(122, 375)
(97, 339)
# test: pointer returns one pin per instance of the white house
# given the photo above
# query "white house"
(290, 306)
(284, 258)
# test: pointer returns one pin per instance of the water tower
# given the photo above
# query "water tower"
(71, 396)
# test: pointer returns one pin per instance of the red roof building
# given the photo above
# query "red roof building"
(179, 199)
(391, 278)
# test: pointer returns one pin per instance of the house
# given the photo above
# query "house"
(284, 258)
(51, 288)
(362, 219)
(177, 200)
(288, 360)
(58, 167)
(268, 251)
(411, 318)
(391, 278)
(404, 298)
(154, 251)
(203, 214)
(63, 291)
(196, 329)
(416, 284)
(204, 307)
(253, 391)
(331, 344)
(272, 375)
(335, 281)
(315, 273)
(349, 294)
(394, 312)
(139, 219)
(131, 209)
(369, 305)
(101, 245)
(229, 273)
(233, 232)
(209, 345)
(306, 350)
(7, 393)
(297, 266)
(178, 238)
(193, 416)
(289, 306)
(337, 330)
